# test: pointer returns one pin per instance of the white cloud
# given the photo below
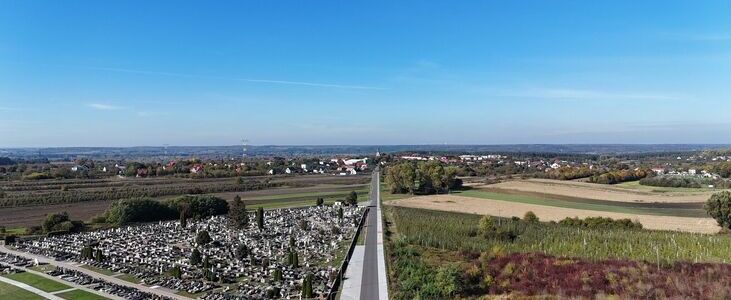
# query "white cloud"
(581, 94)
(102, 106)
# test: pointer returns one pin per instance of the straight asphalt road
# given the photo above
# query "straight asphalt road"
(373, 279)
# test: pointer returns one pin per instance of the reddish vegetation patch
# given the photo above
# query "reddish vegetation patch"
(540, 274)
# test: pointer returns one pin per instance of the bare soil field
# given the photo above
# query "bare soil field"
(547, 213)
(598, 191)
(33, 215)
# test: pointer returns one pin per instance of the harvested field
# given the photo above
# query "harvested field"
(600, 191)
(548, 213)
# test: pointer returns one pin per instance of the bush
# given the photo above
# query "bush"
(719, 208)
(530, 217)
(138, 210)
(600, 222)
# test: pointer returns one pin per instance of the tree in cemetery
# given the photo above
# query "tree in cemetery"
(176, 272)
(206, 263)
(352, 198)
(195, 258)
(202, 238)
(320, 201)
(719, 208)
(252, 258)
(273, 292)
(239, 180)
(307, 287)
(183, 215)
(238, 215)
(277, 276)
(340, 213)
(98, 255)
(291, 242)
(242, 251)
(87, 252)
(260, 217)
(295, 259)
(10, 239)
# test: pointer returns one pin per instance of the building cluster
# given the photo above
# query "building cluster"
(151, 251)
(335, 166)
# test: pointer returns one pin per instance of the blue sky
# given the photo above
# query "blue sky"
(124, 73)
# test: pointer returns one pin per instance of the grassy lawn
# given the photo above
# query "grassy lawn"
(98, 270)
(36, 281)
(129, 278)
(11, 292)
(80, 295)
(588, 204)
(387, 196)
(43, 268)
(15, 230)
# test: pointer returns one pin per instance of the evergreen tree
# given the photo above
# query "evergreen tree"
(203, 238)
(307, 287)
(291, 242)
(352, 198)
(238, 215)
(195, 258)
(242, 251)
(183, 216)
(340, 213)
(295, 259)
(176, 272)
(260, 217)
(320, 201)
(277, 274)
(98, 255)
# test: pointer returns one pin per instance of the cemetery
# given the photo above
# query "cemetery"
(284, 253)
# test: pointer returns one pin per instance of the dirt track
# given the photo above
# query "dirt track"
(548, 213)
(597, 191)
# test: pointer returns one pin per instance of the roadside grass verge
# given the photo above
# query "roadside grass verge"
(39, 282)
(11, 292)
(584, 204)
(459, 232)
(80, 295)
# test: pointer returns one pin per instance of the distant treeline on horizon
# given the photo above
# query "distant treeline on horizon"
(60, 153)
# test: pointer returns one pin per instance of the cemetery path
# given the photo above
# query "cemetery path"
(107, 278)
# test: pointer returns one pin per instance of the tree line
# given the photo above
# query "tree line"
(619, 176)
(149, 210)
(136, 191)
(421, 177)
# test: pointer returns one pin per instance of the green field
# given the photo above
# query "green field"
(635, 185)
(39, 282)
(80, 295)
(457, 231)
(586, 204)
(11, 292)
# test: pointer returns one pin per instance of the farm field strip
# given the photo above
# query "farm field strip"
(486, 206)
(587, 204)
(458, 231)
(599, 191)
